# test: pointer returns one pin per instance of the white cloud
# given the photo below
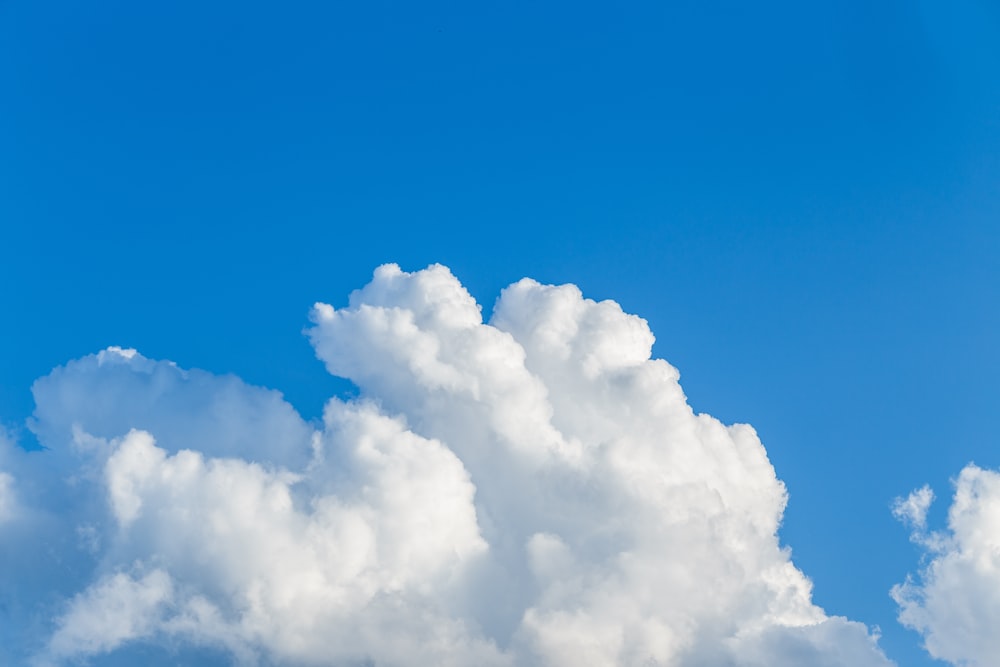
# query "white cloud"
(955, 600)
(110, 393)
(912, 510)
(261, 573)
(530, 491)
(114, 610)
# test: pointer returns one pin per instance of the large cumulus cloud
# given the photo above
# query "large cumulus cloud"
(534, 490)
(954, 601)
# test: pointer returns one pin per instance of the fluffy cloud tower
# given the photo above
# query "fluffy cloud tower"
(534, 490)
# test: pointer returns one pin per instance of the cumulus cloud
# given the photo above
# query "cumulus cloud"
(532, 490)
(954, 602)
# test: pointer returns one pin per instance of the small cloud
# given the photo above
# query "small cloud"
(912, 510)
(114, 354)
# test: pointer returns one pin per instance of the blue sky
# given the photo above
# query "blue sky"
(802, 200)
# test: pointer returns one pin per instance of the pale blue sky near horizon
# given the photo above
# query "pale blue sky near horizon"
(803, 202)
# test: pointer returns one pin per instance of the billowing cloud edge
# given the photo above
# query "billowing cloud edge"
(953, 602)
(530, 491)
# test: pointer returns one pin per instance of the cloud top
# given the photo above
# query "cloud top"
(531, 490)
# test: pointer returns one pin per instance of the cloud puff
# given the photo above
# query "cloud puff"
(534, 490)
(912, 510)
(955, 600)
(108, 394)
(113, 610)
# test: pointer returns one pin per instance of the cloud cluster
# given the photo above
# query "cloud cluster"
(955, 600)
(534, 490)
